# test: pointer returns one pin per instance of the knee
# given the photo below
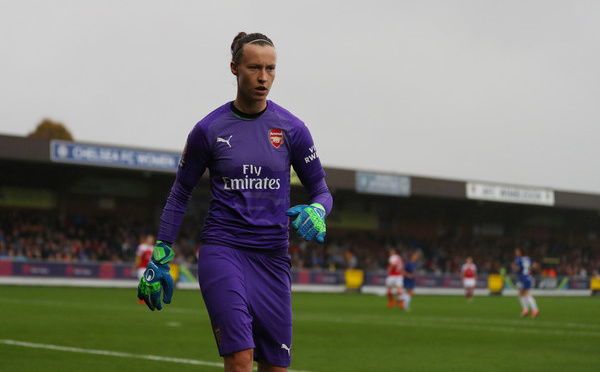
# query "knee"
(266, 367)
(240, 361)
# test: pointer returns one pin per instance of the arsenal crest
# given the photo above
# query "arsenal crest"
(276, 137)
(218, 335)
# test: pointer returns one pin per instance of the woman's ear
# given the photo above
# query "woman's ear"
(233, 67)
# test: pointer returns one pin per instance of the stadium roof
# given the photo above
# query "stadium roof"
(40, 151)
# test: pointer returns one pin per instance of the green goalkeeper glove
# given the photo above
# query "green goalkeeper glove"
(310, 221)
(156, 278)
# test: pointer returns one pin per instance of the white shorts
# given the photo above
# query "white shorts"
(140, 272)
(394, 281)
(469, 282)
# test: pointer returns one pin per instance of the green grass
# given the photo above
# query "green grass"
(332, 332)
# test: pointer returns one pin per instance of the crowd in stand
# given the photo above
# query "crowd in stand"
(492, 255)
(32, 235)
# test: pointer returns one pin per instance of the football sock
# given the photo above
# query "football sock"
(523, 300)
(407, 299)
(532, 302)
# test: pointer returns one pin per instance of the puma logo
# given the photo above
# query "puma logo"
(285, 347)
(219, 139)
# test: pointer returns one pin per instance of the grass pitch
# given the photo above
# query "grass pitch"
(92, 329)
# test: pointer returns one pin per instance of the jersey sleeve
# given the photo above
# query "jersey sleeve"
(194, 160)
(318, 192)
(304, 156)
(195, 157)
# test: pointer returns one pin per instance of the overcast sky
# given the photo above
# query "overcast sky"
(502, 91)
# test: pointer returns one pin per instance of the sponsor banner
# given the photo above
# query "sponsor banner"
(545, 283)
(110, 270)
(327, 277)
(6, 268)
(429, 280)
(306, 276)
(374, 278)
(579, 283)
(71, 152)
(509, 194)
(93, 270)
(382, 184)
(54, 269)
(448, 281)
(301, 276)
(553, 283)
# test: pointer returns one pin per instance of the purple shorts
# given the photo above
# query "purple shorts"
(249, 301)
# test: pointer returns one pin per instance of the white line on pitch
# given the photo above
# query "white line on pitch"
(461, 324)
(115, 354)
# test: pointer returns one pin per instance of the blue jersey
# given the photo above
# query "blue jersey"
(410, 267)
(524, 264)
(249, 161)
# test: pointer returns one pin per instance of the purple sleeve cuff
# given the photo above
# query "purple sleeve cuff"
(173, 212)
(319, 193)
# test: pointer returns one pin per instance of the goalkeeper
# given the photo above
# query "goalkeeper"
(248, 146)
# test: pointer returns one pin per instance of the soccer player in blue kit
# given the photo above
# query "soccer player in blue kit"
(410, 268)
(248, 146)
(523, 265)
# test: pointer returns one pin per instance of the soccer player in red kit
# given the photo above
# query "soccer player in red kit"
(395, 279)
(143, 255)
(469, 277)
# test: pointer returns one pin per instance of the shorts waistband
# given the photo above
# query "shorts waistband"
(283, 251)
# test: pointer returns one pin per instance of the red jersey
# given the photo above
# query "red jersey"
(395, 265)
(144, 251)
(468, 270)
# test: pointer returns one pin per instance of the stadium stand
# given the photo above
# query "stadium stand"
(79, 210)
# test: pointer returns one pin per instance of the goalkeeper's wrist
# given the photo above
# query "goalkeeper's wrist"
(317, 205)
(163, 253)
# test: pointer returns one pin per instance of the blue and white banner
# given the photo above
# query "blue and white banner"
(71, 152)
(383, 184)
(509, 194)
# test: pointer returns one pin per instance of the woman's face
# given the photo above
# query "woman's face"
(255, 73)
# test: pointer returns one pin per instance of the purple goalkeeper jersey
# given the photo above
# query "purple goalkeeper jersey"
(249, 163)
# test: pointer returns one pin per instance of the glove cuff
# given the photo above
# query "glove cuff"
(163, 253)
(317, 205)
